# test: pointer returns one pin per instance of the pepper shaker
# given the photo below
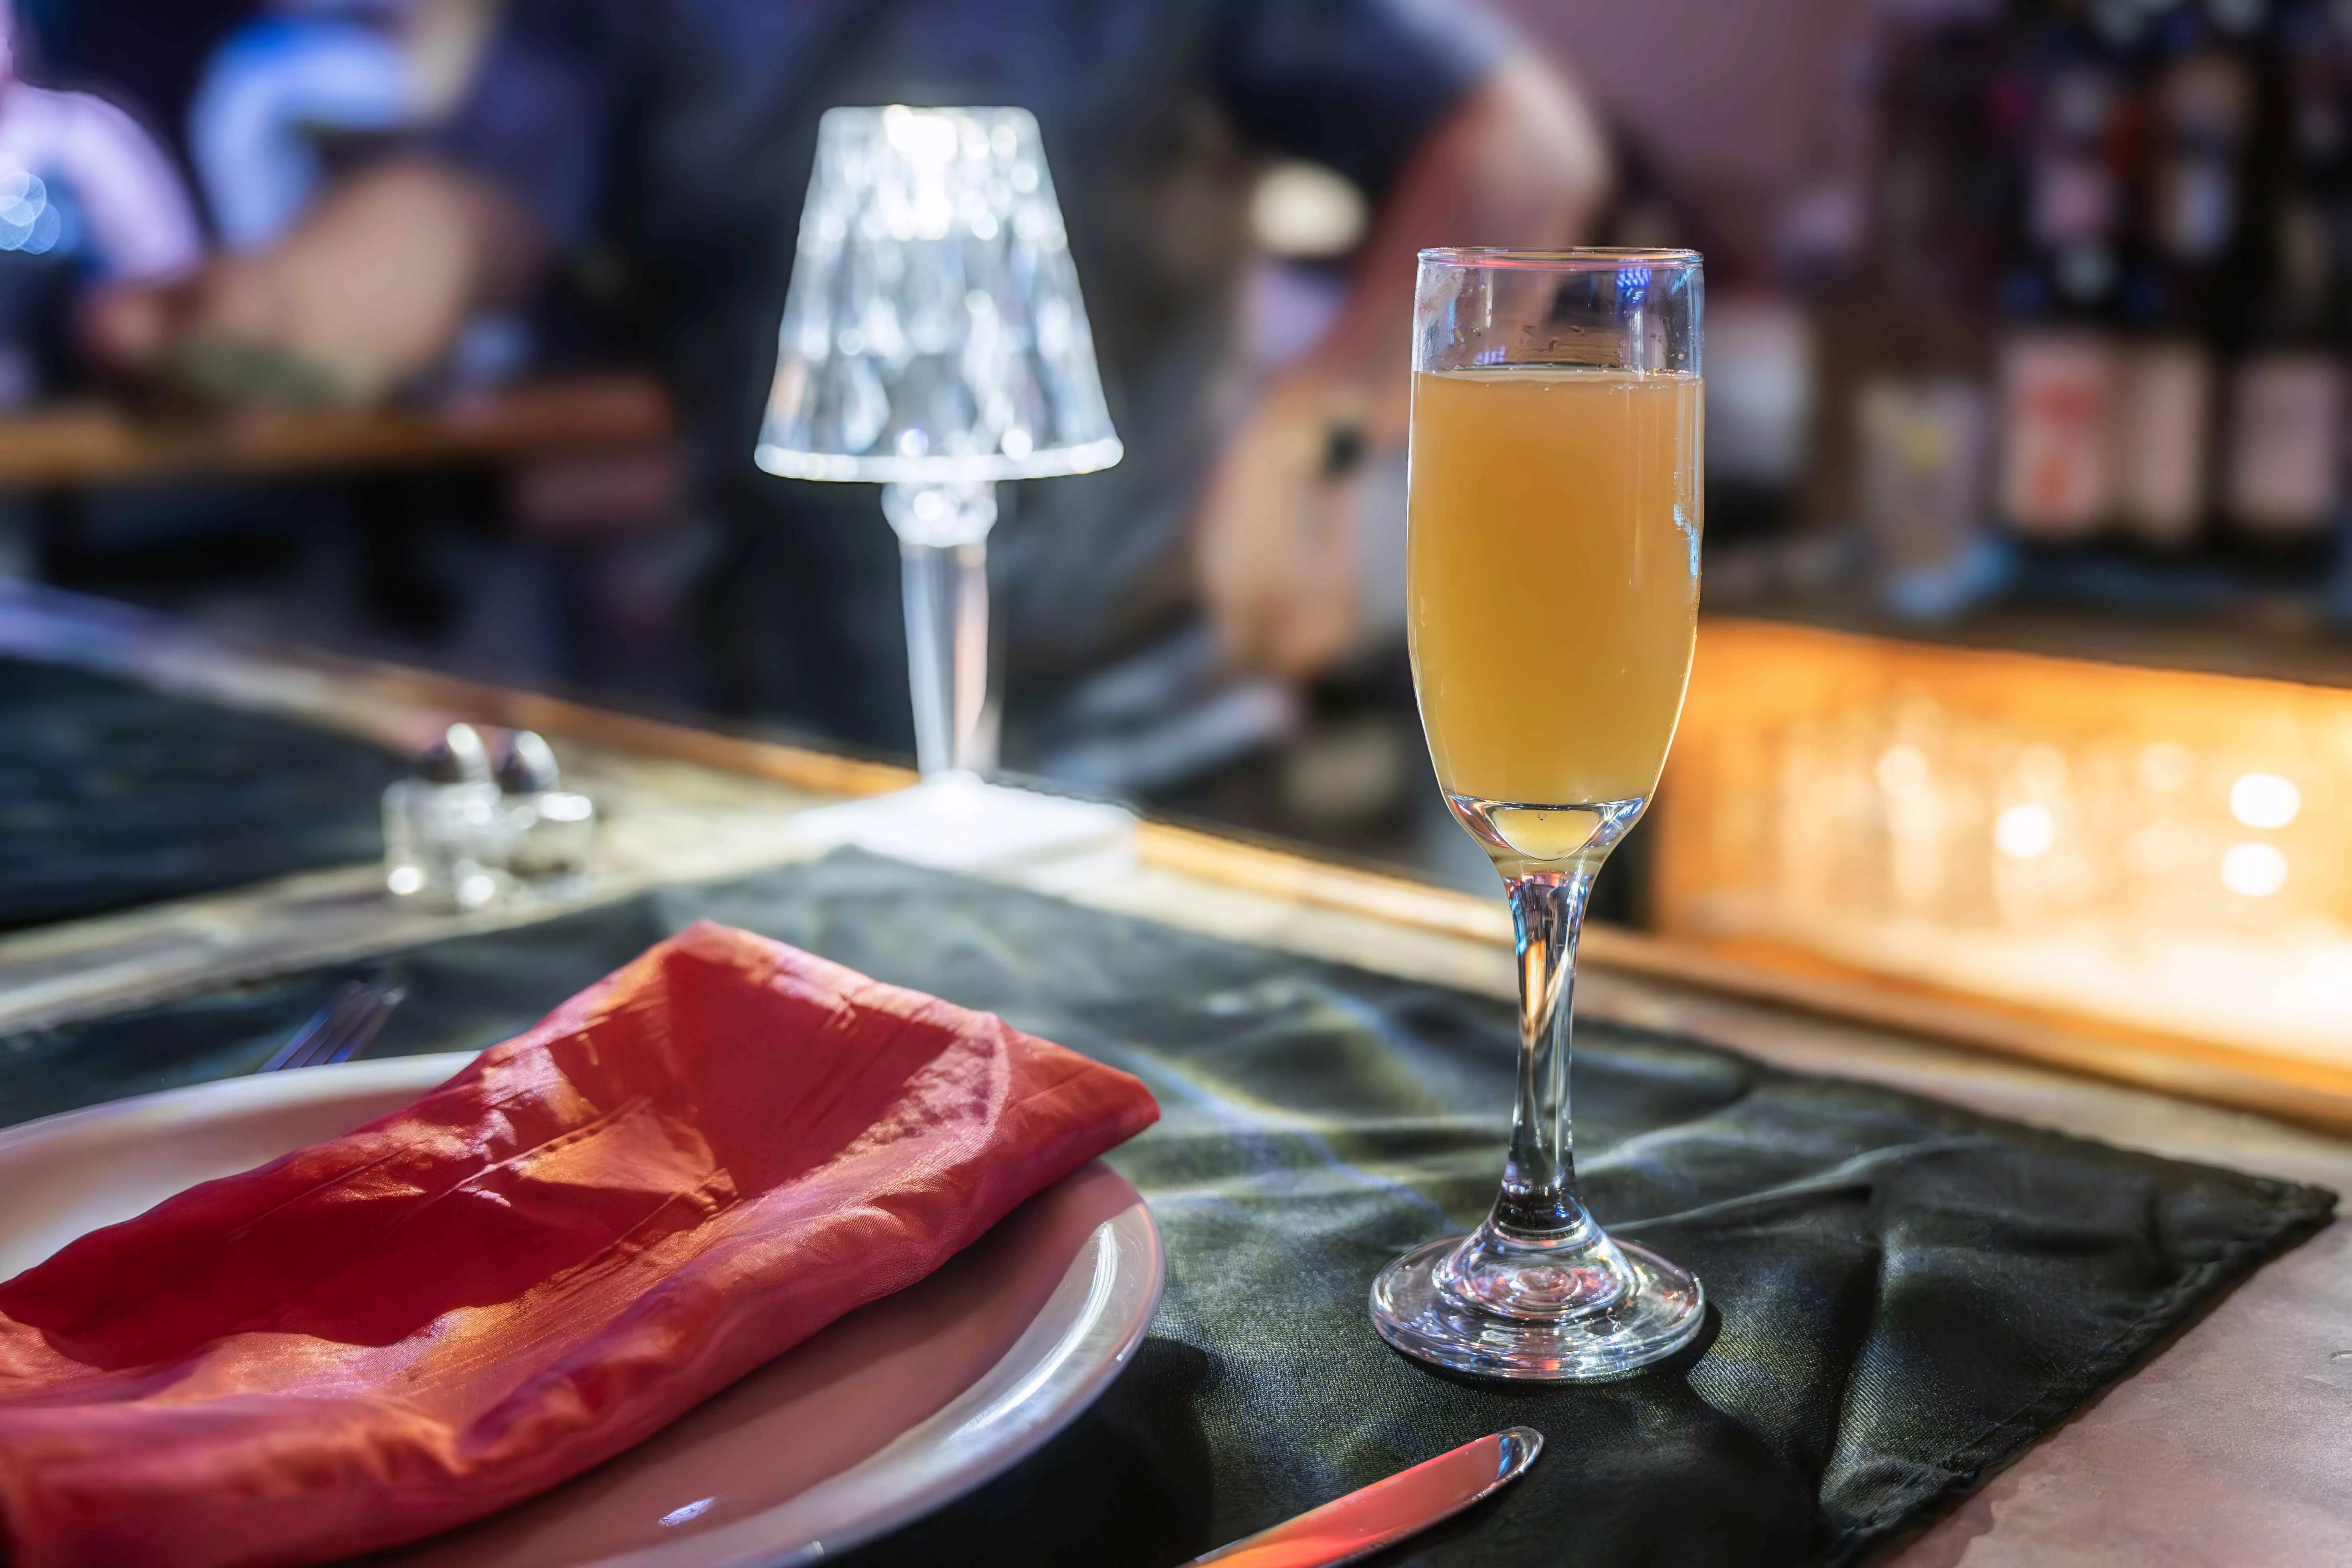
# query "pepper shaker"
(554, 828)
(446, 839)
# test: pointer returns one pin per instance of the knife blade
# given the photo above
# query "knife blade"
(1387, 1511)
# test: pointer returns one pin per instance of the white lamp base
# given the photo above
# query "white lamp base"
(961, 822)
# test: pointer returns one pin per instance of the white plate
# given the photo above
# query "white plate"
(891, 1413)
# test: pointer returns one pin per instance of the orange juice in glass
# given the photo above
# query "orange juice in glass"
(1554, 578)
(1556, 512)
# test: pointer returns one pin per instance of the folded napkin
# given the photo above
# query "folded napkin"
(684, 1171)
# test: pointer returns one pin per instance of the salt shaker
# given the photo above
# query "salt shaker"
(554, 828)
(447, 837)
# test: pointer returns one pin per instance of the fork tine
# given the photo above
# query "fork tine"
(330, 1039)
(367, 1024)
(337, 1025)
(298, 1046)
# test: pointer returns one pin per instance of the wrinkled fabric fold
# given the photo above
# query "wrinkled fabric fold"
(681, 1174)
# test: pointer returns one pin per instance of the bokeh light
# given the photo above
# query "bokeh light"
(2253, 870)
(2264, 800)
(2025, 832)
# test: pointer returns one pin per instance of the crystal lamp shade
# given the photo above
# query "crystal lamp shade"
(933, 332)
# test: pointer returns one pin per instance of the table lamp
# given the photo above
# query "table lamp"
(934, 342)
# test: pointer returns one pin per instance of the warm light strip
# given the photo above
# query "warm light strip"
(2163, 849)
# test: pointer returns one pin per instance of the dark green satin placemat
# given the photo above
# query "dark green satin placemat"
(1906, 1293)
(114, 794)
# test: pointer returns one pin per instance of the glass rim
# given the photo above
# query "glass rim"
(1573, 259)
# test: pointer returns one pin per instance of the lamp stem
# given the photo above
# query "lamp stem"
(943, 543)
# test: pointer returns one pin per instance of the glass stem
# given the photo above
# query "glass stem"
(1538, 1200)
(943, 546)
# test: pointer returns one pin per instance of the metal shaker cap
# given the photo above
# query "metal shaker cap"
(458, 757)
(528, 767)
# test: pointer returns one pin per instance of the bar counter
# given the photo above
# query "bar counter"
(2228, 1446)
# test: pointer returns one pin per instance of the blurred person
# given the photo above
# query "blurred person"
(307, 82)
(678, 137)
(268, 92)
(307, 70)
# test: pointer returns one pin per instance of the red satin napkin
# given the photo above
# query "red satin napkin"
(684, 1171)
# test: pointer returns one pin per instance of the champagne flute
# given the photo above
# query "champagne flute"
(1556, 512)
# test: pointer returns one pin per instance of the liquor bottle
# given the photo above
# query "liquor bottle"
(1909, 360)
(2163, 421)
(2190, 112)
(2058, 356)
(2282, 486)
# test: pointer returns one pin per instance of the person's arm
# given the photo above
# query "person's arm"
(374, 283)
(1520, 162)
(367, 291)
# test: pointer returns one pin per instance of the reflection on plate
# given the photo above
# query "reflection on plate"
(891, 1413)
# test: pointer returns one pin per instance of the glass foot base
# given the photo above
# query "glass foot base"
(959, 822)
(1421, 1307)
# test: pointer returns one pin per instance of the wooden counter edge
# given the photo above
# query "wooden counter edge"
(87, 444)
